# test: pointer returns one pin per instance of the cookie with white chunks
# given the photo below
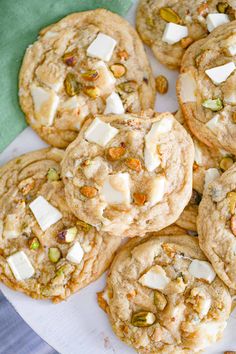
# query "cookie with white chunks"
(87, 63)
(169, 27)
(206, 88)
(163, 296)
(45, 251)
(129, 174)
(217, 226)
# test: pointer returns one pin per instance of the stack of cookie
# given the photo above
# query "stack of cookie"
(128, 172)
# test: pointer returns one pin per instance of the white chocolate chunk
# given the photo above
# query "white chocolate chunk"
(93, 167)
(205, 307)
(215, 20)
(232, 49)
(45, 104)
(173, 33)
(45, 214)
(12, 227)
(202, 270)
(188, 88)
(230, 97)
(157, 190)
(220, 73)
(155, 278)
(208, 333)
(198, 156)
(75, 253)
(210, 175)
(106, 80)
(20, 265)
(114, 104)
(100, 132)
(213, 124)
(71, 104)
(116, 189)
(151, 156)
(102, 47)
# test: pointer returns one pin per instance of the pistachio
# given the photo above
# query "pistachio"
(128, 86)
(34, 243)
(67, 235)
(232, 201)
(226, 163)
(133, 164)
(70, 58)
(83, 226)
(118, 70)
(234, 117)
(169, 15)
(222, 7)
(139, 198)
(150, 21)
(54, 254)
(90, 75)
(143, 319)
(92, 91)
(214, 105)
(116, 153)
(202, 9)
(88, 191)
(160, 300)
(72, 86)
(233, 224)
(53, 175)
(185, 42)
(122, 54)
(161, 84)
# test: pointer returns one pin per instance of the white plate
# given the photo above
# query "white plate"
(79, 326)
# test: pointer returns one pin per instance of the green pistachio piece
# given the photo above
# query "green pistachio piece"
(53, 175)
(83, 226)
(68, 235)
(54, 254)
(72, 86)
(90, 75)
(222, 7)
(169, 15)
(226, 163)
(143, 319)
(128, 86)
(214, 105)
(34, 243)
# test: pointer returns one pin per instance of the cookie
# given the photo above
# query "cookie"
(162, 295)
(87, 63)
(129, 174)
(206, 88)
(170, 26)
(45, 251)
(216, 226)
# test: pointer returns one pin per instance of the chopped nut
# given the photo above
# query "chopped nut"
(203, 9)
(83, 226)
(68, 235)
(226, 163)
(160, 300)
(118, 70)
(233, 224)
(139, 198)
(115, 153)
(222, 7)
(88, 191)
(214, 105)
(134, 164)
(90, 75)
(143, 319)
(161, 84)
(234, 117)
(53, 175)
(92, 91)
(70, 58)
(34, 243)
(54, 254)
(169, 15)
(122, 54)
(72, 86)
(185, 42)
(232, 201)
(128, 86)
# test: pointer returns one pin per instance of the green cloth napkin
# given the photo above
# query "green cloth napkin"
(20, 22)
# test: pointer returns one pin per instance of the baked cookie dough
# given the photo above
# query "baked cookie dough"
(206, 88)
(129, 174)
(87, 63)
(216, 226)
(170, 26)
(45, 251)
(163, 296)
